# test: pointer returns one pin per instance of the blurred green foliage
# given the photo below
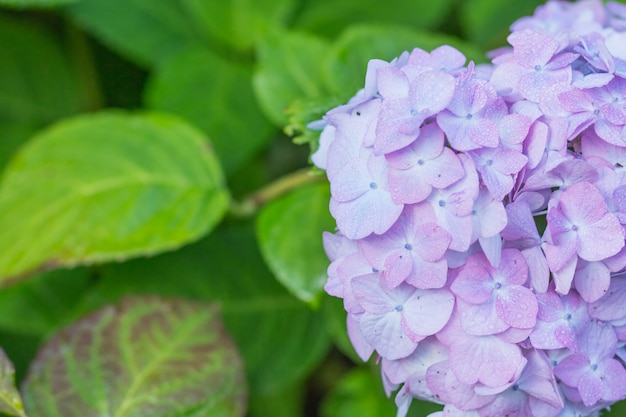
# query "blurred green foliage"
(165, 121)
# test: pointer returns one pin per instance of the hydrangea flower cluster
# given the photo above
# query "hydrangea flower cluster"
(481, 217)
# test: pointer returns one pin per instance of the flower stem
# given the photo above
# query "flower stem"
(250, 204)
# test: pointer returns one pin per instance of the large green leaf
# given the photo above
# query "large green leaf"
(216, 95)
(146, 357)
(107, 186)
(289, 231)
(486, 22)
(239, 23)
(289, 68)
(13, 134)
(330, 17)
(347, 61)
(146, 31)
(35, 3)
(10, 399)
(280, 338)
(28, 94)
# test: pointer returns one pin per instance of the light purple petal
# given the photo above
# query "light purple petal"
(427, 311)
(484, 359)
(363, 349)
(592, 280)
(517, 306)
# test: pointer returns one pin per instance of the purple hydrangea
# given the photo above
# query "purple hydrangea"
(481, 217)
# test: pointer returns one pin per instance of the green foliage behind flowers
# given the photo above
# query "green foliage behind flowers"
(158, 255)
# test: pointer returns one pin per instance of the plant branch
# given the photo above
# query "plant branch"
(283, 185)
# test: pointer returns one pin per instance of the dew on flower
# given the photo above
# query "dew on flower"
(511, 191)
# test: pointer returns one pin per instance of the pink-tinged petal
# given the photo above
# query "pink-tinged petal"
(351, 182)
(544, 334)
(535, 144)
(430, 351)
(392, 83)
(427, 274)
(370, 213)
(428, 147)
(492, 248)
(517, 306)
(456, 129)
(538, 270)
(513, 269)
(563, 277)
(514, 128)
(590, 388)
(473, 284)
(614, 388)
(610, 133)
(427, 311)
(377, 248)
(565, 244)
(489, 215)
(445, 170)
(363, 349)
(480, 319)
(613, 305)
(550, 306)
(484, 133)
(397, 127)
(397, 267)
(582, 204)
(447, 58)
(432, 91)
(485, 359)
(376, 298)
(432, 242)
(408, 186)
(592, 281)
(448, 389)
(538, 380)
(531, 48)
(571, 369)
(509, 161)
(601, 239)
(385, 334)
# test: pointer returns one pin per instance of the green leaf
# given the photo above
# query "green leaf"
(617, 410)
(334, 315)
(28, 94)
(225, 109)
(12, 136)
(35, 3)
(145, 31)
(487, 22)
(289, 231)
(289, 68)
(43, 303)
(280, 338)
(107, 186)
(287, 403)
(330, 17)
(145, 357)
(347, 61)
(360, 393)
(10, 399)
(239, 23)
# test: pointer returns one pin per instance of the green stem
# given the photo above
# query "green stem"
(253, 202)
